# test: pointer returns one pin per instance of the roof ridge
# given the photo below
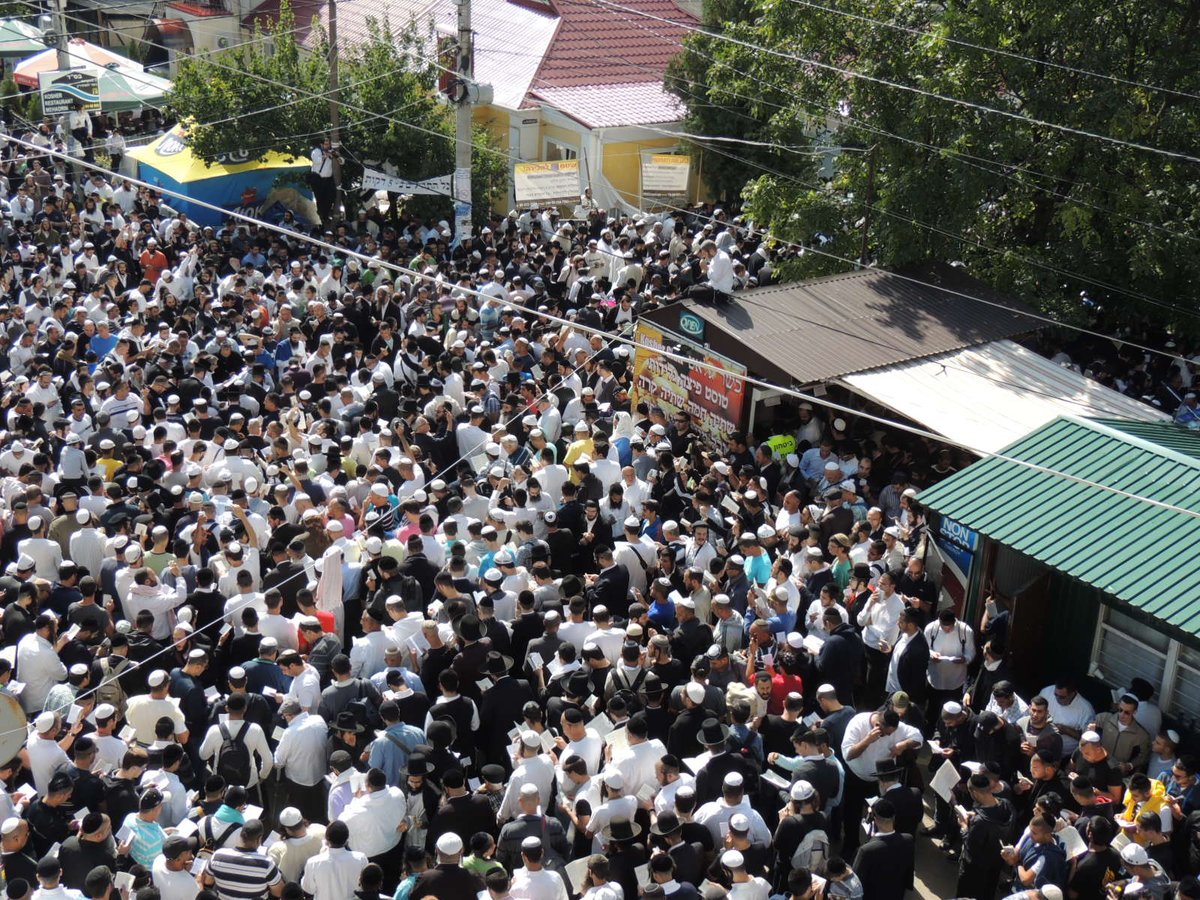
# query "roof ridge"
(1103, 426)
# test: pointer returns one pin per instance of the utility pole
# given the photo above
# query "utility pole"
(335, 109)
(465, 71)
(60, 34)
(866, 229)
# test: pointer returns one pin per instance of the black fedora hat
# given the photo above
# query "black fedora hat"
(346, 721)
(668, 823)
(497, 663)
(713, 733)
(418, 764)
(470, 628)
(622, 830)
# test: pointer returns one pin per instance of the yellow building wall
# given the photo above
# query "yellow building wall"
(622, 165)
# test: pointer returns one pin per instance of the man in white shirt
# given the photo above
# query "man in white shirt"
(742, 885)
(45, 553)
(533, 882)
(532, 768)
(333, 873)
(306, 683)
(367, 655)
(718, 815)
(880, 621)
(238, 731)
(45, 755)
(376, 819)
(38, 663)
(870, 738)
(1069, 711)
(951, 649)
(144, 710)
(301, 757)
(172, 874)
(637, 762)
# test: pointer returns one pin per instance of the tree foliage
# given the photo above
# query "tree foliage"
(392, 112)
(1021, 205)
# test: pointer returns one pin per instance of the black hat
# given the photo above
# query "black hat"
(987, 723)
(862, 571)
(492, 773)
(347, 721)
(418, 764)
(668, 823)
(622, 830)
(578, 685)
(713, 733)
(470, 628)
(497, 663)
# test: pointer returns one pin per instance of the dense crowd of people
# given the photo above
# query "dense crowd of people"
(323, 579)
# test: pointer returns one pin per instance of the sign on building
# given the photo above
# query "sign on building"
(713, 399)
(62, 90)
(665, 174)
(547, 182)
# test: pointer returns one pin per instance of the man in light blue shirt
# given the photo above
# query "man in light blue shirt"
(390, 751)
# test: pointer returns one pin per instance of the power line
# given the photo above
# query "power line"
(676, 357)
(875, 79)
(917, 32)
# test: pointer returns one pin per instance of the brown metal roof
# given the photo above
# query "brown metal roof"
(817, 330)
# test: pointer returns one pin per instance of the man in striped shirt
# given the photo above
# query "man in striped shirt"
(243, 872)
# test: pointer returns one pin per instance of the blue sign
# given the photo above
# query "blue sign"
(959, 534)
(691, 325)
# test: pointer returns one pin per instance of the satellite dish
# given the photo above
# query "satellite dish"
(13, 727)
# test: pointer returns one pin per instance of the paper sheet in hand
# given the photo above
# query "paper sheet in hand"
(547, 740)
(934, 747)
(269, 691)
(1072, 842)
(696, 763)
(74, 713)
(1120, 842)
(643, 874)
(272, 838)
(124, 835)
(602, 725)
(730, 504)
(514, 734)
(80, 813)
(28, 790)
(186, 827)
(123, 881)
(944, 781)
(535, 660)
(811, 719)
(212, 693)
(15, 688)
(973, 767)
(279, 732)
(618, 739)
(198, 865)
(252, 812)
(484, 684)
(474, 784)
(576, 874)
(128, 733)
(646, 793)
(776, 780)
(813, 644)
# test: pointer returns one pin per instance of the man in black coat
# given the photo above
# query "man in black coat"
(610, 588)
(710, 780)
(461, 812)
(527, 627)
(911, 659)
(625, 854)
(687, 856)
(841, 655)
(448, 880)
(417, 565)
(500, 710)
(906, 801)
(885, 864)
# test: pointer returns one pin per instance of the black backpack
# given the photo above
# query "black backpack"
(233, 758)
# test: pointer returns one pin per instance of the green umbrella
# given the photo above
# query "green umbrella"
(19, 39)
(122, 90)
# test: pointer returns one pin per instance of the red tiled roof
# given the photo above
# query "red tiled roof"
(597, 44)
(199, 10)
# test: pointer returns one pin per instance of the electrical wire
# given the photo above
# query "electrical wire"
(667, 354)
(917, 32)
(875, 79)
(593, 3)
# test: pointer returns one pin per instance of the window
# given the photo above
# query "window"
(556, 151)
(1130, 649)
(1127, 648)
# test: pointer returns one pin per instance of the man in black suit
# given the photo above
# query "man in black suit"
(610, 588)
(663, 871)
(286, 577)
(500, 709)
(841, 655)
(417, 565)
(461, 812)
(687, 857)
(909, 667)
(711, 778)
(448, 880)
(527, 627)
(886, 862)
(625, 854)
(906, 801)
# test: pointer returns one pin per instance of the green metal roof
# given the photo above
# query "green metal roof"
(1136, 551)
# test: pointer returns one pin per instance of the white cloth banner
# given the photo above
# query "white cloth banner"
(374, 180)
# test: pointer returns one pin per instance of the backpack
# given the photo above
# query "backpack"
(209, 838)
(233, 757)
(813, 851)
(628, 690)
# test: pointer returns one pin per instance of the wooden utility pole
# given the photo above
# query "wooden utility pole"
(866, 227)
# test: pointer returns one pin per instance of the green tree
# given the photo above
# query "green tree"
(392, 111)
(1020, 204)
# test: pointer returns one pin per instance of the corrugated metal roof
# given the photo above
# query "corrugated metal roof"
(614, 105)
(989, 396)
(821, 329)
(1116, 543)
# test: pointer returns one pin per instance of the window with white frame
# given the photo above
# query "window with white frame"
(1127, 648)
(557, 151)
